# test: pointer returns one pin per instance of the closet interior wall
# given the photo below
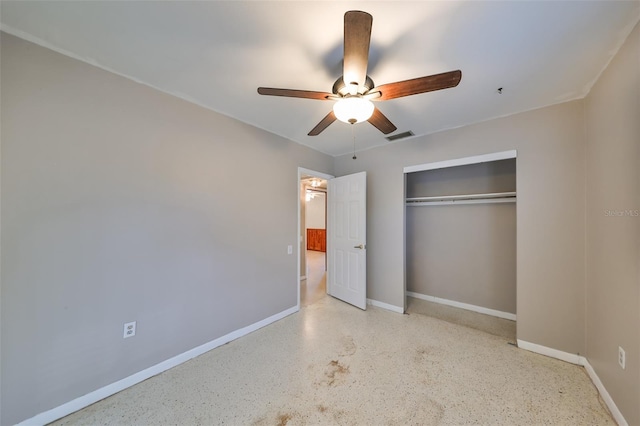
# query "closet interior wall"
(459, 251)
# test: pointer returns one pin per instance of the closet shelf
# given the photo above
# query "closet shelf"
(493, 197)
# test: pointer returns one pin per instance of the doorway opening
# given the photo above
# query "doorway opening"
(312, 219)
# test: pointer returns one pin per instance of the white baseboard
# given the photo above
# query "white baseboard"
(467, 306)
(553, 353)
(386, 306)
(106, 391)
(615, 412)
(578, 360)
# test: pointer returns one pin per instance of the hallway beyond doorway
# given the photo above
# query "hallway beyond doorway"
(314, 287)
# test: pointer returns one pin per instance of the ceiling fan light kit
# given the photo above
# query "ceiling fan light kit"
(354, 90)
(353, 109)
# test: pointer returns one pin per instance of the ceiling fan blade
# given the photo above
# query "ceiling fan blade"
(323, 124)
(381, 122)
(291, 93)
(418, 85)
(357, 37)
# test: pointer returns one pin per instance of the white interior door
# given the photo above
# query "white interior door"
(346, 239)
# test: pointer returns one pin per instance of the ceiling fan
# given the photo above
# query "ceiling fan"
(354, 90)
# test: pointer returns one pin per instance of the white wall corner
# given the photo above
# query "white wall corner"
(387, 306)
(582, 361)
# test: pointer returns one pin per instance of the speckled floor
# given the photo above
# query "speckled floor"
(314, 287)
(335, 364)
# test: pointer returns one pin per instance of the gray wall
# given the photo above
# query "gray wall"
(464, 252)
(492, 176)
(613, 242)
(121, 203)
(550, 218)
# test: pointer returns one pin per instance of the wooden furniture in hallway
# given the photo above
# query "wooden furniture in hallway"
(317, 239)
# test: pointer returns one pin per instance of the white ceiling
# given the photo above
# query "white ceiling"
(217, 53)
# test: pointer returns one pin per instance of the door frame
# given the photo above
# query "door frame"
(303, 171)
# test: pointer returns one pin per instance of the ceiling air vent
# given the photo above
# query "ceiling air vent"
(399, 136)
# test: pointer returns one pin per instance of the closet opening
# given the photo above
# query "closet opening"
(460, 242)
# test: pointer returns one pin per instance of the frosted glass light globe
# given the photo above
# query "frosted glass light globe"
(353, 109)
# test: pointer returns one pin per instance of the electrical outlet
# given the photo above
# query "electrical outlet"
(289, 249)
(621, 357)
(129, 330)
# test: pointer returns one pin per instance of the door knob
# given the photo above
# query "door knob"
(361, 247)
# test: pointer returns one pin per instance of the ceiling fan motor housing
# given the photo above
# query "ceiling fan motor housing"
(342, 89)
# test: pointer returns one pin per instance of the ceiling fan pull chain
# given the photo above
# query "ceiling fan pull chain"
(353, 135)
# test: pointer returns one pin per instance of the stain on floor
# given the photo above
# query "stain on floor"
(335, 372)
(283, 419)
(348, 346)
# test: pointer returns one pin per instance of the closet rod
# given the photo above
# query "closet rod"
(459, 202)
(463, 197)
